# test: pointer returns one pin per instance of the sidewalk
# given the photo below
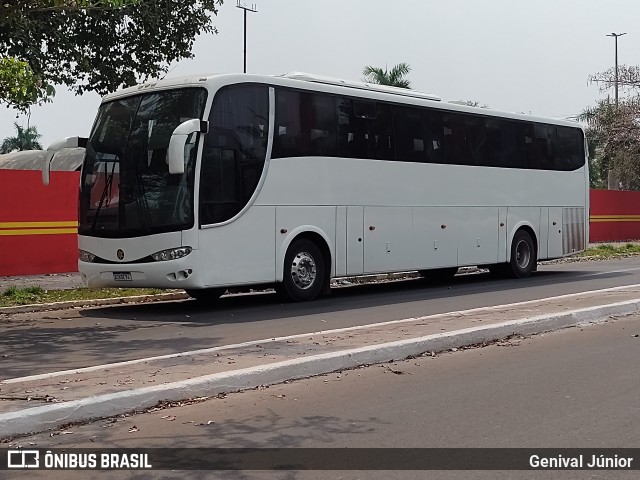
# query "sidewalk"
(49, 401)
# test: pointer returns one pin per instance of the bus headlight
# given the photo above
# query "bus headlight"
(85, 256)
(171, 254)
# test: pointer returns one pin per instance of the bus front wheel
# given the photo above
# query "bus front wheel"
(304, 271)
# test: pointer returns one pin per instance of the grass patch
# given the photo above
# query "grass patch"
(606, 250)
(30, 295)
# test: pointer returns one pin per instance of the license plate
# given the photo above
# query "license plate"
(122, 276)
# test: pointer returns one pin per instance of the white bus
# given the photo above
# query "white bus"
(225, 181)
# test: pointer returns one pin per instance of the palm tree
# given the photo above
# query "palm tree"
(26, 139)
(393, 77)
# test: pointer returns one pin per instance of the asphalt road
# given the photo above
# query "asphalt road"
(576, 388)
(58, 340)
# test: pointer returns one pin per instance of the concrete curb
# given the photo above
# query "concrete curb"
(51, 416)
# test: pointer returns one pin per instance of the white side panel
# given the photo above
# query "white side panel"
(240, 252)
(343, 181)
(555, 232)
(543, 241)
(355, 240)
(502, 235)
(478, 241)
(292, 221)
(434, 237)
(521, 216)
(341, 241)
(387, 239)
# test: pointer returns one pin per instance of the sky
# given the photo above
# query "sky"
(523, 56)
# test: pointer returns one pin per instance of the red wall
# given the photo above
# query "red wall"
(614, 216)
(38, 223)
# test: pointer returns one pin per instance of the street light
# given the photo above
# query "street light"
(246, 9)
(616, 35)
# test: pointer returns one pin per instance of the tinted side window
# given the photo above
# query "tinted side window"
(305, 124)
(323, 124)
(505, 144)
(410, 134)
(453, 139)
(381, 133)
(568, 149)
(475, 140)
(539, 146)
(234, 151)
(417, 134)
(353, 132)
(288, 140)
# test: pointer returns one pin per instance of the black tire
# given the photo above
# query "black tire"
(523, 255)
(206, 295)
(438, 275)
(304, 271)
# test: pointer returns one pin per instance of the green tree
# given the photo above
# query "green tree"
(394, 77)
(26, 139)
(20, 87)
(613, 134)
(94, 45)
(613, 129)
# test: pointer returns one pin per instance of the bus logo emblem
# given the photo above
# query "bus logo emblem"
(120, 254)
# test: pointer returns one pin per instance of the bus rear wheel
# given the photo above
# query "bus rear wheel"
(206, 295)
(304, 271)
(523, 255)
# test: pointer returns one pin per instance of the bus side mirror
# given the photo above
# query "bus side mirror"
(175, 154)
(55, 147)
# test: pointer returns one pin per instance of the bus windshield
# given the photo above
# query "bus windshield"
(126, 188)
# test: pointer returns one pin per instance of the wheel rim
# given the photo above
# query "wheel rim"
(523, 254)
(303, 270)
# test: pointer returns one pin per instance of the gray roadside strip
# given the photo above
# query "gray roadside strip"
(100, 302)
(265, 341)
(339, 282)
(51, 416)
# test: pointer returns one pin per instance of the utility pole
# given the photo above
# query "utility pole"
(615, 36)
(612, 178)
(246, 9)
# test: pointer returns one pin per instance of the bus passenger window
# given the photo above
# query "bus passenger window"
(539, 151)
(323, 125)
(234, 151)
(381, 133)
(454, 139)
(409, 134)
(568, 149)
(505, 144)
(353, 138)
(305, 125)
